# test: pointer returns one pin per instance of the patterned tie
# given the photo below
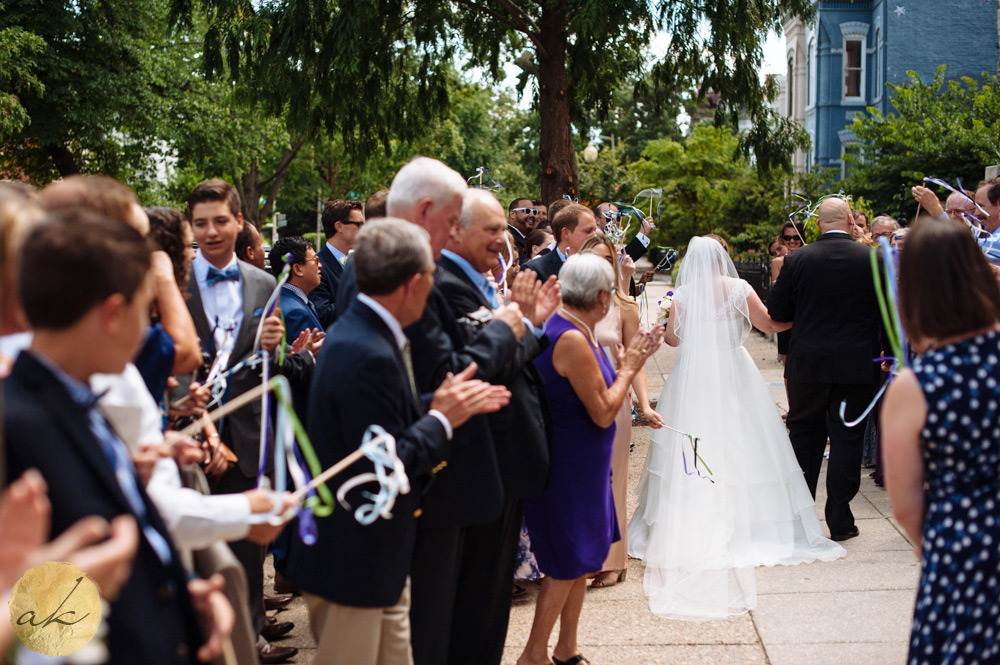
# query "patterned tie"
(116, 453)
(231, 274)
(408, 363)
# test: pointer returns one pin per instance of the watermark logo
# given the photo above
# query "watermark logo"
(55, 609)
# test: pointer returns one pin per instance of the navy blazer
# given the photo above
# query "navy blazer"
(522, 430)
(469, 490)
(828, 290)
(545, 265)
(324, 295)
(361, 381)
(298, 315)
(151, 620)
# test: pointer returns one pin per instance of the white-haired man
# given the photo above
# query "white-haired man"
(469, 492)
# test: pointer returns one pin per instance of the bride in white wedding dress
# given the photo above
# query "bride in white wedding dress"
(704, 523)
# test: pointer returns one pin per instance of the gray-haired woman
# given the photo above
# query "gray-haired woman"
(572, 524)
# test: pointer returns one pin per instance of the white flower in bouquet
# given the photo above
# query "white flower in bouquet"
(663, 308)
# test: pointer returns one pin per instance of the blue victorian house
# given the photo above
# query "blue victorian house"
(839, 65)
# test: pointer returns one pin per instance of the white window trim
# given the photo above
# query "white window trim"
(879, 64)
(812, 66)
(860, 99)
(853, 143)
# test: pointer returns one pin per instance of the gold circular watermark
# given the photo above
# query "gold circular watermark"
(55, 609)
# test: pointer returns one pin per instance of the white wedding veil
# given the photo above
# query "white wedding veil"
(704, 522)
(686, 524)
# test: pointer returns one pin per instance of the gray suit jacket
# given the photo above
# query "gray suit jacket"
(241, 429)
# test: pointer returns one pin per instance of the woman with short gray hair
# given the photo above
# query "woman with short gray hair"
(572, 523)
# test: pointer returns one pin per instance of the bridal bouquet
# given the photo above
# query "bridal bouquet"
(663, 313)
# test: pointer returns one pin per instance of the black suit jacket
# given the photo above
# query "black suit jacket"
(545, 265)
(635, 249)
(324, 295)
(240, 430)
(827, 289)
(361, 381)
(468, 491)
(522, 430)
(152, 620)
(518, 238)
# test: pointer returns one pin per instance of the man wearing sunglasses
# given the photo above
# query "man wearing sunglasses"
(342, 220)
(521, 220)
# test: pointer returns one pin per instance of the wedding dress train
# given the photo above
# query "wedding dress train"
(704, 523)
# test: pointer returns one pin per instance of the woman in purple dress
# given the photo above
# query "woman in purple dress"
(572, 524)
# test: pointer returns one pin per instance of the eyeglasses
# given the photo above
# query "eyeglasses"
(314, 259)
(357, 224)
(790, 238)
(886, 234)
(527, 211)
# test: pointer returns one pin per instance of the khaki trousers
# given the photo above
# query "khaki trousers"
(347, 635)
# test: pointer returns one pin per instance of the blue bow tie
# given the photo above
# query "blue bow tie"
(231, 274)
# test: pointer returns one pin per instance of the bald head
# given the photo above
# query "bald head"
(477, 203)
(834, 214)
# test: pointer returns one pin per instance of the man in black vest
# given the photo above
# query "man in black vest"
(827, 289)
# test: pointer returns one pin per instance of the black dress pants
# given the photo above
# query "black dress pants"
(433, 583)
(813, 415)
(485, 583)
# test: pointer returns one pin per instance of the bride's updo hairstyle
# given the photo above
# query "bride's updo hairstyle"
(946, 287)
(582, 280)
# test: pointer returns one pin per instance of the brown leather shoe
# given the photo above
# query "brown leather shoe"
(277, 601)
(282, 584)
(269, 653)
(277, 630)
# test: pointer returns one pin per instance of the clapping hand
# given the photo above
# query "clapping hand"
(537, 300)
(310, 339)
(642, 346)
(459, 397)
(511, 315)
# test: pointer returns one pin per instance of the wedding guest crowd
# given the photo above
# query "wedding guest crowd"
(496, 347)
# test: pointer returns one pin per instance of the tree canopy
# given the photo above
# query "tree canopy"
(948, 130)
(375, 70)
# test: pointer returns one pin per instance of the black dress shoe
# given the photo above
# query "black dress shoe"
(270, 653)
(277, 630)
(850, 533)
(277, 601)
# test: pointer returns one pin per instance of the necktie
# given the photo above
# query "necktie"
(408, 363)
(491, 295)
(114, 450)
(231, 274)
(312, 308)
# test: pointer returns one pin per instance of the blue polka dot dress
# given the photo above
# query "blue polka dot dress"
(957, 616)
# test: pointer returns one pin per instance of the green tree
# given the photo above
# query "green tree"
(391, 60)
(88, 85)
(939, 129)
(705, 190)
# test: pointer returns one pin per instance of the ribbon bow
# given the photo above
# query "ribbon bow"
(231, 274)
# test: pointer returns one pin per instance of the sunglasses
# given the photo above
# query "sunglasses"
(527, 211)
(357, 224)
(787, 238)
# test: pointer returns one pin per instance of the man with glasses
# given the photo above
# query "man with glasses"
(341, 222)
(884, 226)
(521, 220)
(609, 212)
(300, 314)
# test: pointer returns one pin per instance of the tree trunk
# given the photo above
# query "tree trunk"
(555, 146)
(249, 186)
(63, 160)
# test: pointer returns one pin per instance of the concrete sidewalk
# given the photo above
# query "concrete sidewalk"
(854, 611)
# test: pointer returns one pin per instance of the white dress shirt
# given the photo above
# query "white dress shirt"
(223, 301)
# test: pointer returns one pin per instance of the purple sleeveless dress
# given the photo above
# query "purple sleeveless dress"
(572, 523)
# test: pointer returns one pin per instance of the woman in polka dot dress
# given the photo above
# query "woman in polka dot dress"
(941, 438)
